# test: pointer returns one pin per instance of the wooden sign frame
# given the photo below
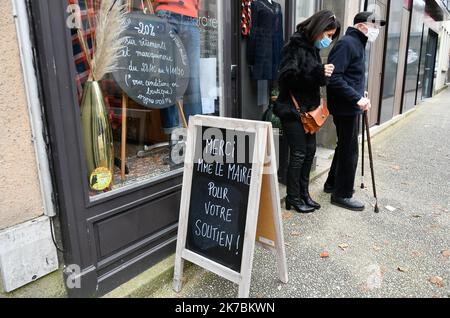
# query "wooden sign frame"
(264, 175)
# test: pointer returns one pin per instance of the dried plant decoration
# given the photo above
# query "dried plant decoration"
(84, 47)
(108, 40)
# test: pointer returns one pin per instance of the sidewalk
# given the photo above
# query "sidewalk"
(401, 252)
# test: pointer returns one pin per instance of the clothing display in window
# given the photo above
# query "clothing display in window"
(147, 144)
(188, 8)
(266, 39)
(246, 17)
(183, 17)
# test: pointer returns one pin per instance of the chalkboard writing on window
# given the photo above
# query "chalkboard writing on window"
(219, 195)
(153, 68)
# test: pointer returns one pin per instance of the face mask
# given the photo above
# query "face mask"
(324, 43)
(372, 34)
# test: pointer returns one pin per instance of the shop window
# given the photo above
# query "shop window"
(305, 9)
(147, 143)
(391, 61)
(413, 58)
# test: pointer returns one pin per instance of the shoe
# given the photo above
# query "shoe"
(309, 201)
(300, 207)
(347, 203)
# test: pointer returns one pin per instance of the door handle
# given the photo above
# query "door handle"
(234, 68)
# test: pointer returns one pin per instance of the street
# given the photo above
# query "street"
(402, 252)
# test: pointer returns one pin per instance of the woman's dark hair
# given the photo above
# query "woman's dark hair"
(319, 23)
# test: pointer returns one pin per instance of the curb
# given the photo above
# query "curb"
(146, 283)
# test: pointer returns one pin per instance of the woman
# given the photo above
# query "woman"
(302, 74)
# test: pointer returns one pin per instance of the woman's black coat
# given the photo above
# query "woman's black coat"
(302, 73)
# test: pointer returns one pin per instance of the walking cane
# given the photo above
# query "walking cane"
(372, 170)
(362, 158)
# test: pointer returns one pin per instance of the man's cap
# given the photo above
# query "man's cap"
(371, 17)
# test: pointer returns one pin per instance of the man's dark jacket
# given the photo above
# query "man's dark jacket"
(302, 73)
(347, 85)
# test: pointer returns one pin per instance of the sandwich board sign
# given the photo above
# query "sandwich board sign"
(230, 200)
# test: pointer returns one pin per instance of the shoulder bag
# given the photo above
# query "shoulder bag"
(314, 120)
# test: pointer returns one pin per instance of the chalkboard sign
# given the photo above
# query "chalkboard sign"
(222, 207)
(219, 195)
(153, 68)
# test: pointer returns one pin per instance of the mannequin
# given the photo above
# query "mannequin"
(265, 40)
(183, 16)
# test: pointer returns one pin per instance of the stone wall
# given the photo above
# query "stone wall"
(20, 198)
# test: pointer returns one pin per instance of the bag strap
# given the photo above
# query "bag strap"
(297, 106)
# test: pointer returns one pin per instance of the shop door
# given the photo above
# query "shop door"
(110, 235)
(430, 62)
(375, 62)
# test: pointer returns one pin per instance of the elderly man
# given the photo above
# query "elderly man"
(347, 101)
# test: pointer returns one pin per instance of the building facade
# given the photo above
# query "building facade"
(112, 223)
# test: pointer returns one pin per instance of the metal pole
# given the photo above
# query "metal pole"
(183, 116)
(123, 147)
